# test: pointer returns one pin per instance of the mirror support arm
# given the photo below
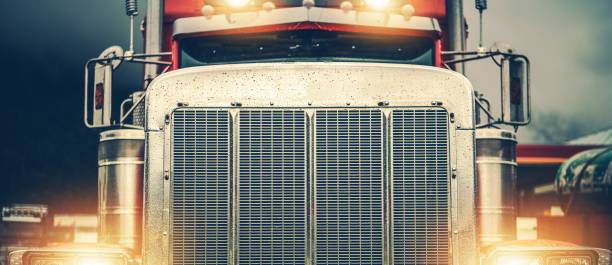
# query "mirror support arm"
(136, 58)
(476, 55)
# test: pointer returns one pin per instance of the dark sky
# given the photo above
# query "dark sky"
(48, 156)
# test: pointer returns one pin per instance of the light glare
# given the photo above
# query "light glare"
(94, 261)
(238, 3)
(378, 4)
(519, 260)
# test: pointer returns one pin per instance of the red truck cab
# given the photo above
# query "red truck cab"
(212, 32)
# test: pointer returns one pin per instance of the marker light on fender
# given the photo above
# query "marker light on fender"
(407, 11)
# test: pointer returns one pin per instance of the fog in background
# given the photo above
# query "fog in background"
(48, 156)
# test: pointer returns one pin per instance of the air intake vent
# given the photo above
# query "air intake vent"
(272, 181)
(200, 187)
(349, 186)
(420, 186)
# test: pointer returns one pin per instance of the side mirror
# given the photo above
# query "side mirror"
(516, 98)
(101, 106)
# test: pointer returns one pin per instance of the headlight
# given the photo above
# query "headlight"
(70, 256)
(544, 253)
(519, 260)
(577, 260)
(544, 260)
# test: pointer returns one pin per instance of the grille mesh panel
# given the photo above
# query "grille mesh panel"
(420, 186)
(272, 180)
(349, 175)
(200, 187)
(272, 186)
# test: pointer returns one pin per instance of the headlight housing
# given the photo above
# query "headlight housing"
(544, 253)
(546, 259)
(70, 256)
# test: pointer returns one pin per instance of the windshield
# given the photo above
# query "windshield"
(306, 45)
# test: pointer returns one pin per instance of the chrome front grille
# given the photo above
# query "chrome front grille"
(272, 184)
(349, 186)
(360, 164)
(420, 186)
(200, 187)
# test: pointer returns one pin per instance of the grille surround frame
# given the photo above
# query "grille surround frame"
(305, 85)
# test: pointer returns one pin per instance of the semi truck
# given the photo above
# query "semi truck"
(307, 132)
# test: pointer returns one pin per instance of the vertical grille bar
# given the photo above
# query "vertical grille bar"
(272, 184)
(420, 186)
(349, 223)
(200, 186)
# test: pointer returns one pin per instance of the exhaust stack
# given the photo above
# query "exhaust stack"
(496, 166)
(120, 176)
